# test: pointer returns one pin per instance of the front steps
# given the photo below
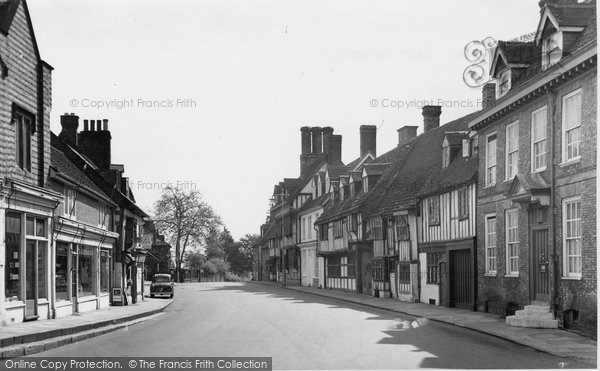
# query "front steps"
(536, 315)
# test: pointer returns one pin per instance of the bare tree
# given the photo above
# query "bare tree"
(184, 219)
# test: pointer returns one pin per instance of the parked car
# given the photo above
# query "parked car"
(162, 285)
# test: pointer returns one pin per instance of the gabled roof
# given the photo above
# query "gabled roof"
(62, 167)
(529, 188)
(402, 183)
(375, 168)
(461, 171)
(319, 201)
(8, 9)
(514, 54)
(355, 176)
(569, 17)
(455, 138)
(109, 189)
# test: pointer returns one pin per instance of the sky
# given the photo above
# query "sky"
(211, 95)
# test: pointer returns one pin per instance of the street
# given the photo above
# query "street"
(303, 331)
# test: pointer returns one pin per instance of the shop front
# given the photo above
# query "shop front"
(83, 267)
(25, 251)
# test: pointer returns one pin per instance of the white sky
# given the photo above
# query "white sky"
(257, 71)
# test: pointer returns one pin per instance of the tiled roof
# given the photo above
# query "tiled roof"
(61, 164)
(376, 168)
(109, 189)
(460, 171)
(319, 201)
(336, 171)
(303, 180)
(572, 15)
(8, 9)
(517, 52)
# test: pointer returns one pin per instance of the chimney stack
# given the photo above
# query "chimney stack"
(406, 134)
(431, 117)
(327, 132)
(317, 140)
(95, 143)
(368, 140)
(306, 142)
(488, 95)
(334, 147)
(69, 124)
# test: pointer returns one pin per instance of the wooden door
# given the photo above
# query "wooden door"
(540, 265)
(461, 276)
(366, 273)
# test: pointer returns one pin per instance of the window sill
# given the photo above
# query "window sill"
(490, 275)
(487, 186)
(63, 303)
(572, 278)
(511, 275)
(533, 171)
(572, 161)
(13, 304)
(85, 299)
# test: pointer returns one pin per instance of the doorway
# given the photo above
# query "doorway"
(539, 265)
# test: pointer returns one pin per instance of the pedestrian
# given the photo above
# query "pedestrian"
(128, 290)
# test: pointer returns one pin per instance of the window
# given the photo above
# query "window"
(354, 223)
(572, 237)
(490, 244)
(334, 266)
(512, 242)
(376, 228)
(503, 85)
(512, 150)
(402, 230)
(571, 118)
(551, 49)
(433, 268)
(316, 267)
(337, 229)
(378, 270)
(13, 257)
(445, 156)
(69, 203)
(538, 140)
(463, 203)
(433, 208)
(103, 215)
(105, 263)
(86, 271)
(324, 232)
(303, 231)
(309, 228)
(23, 128)
(404, 273)
(490, 161)
(62, 271)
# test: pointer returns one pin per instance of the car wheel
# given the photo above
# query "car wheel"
(151, 295)
(171, 295)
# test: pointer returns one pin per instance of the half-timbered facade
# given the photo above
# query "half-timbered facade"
(447, 227)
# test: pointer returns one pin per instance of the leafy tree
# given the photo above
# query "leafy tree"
(216, 266)
(240, 254)
(195, 259)
(185, 220)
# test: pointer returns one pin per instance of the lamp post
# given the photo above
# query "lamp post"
(140, 258)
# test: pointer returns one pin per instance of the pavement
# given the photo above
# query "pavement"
(557, 342)
(34, 337)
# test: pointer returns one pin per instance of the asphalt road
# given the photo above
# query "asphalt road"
(303, 331)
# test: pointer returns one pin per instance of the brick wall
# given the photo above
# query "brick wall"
(576, 179)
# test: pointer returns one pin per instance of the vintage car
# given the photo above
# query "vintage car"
(162, 285)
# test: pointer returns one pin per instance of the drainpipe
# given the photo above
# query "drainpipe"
(555, 257)
(53, 266)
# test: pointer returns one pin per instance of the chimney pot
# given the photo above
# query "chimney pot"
(368, 140)
(431, 117)
(317, 140)
(306, 142)
(86, 125)
(69, 124)
(327, 132)
(334, 148)
(105, 124)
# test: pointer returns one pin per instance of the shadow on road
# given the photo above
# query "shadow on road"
(419, 334)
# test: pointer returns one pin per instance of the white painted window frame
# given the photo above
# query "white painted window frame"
(543, 111)
(577, 158)
(509, 175)
(566, 271)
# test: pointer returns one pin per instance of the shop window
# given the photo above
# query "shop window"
(13, 258)
(42, 250)
(62, 271)
(86, 271)
(404, 273)
(433, 268)
(105, 263)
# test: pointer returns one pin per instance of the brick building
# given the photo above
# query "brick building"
(537, 184)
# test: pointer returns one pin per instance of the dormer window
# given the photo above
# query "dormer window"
(503, 84)
(445, 157)
(551, 49)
